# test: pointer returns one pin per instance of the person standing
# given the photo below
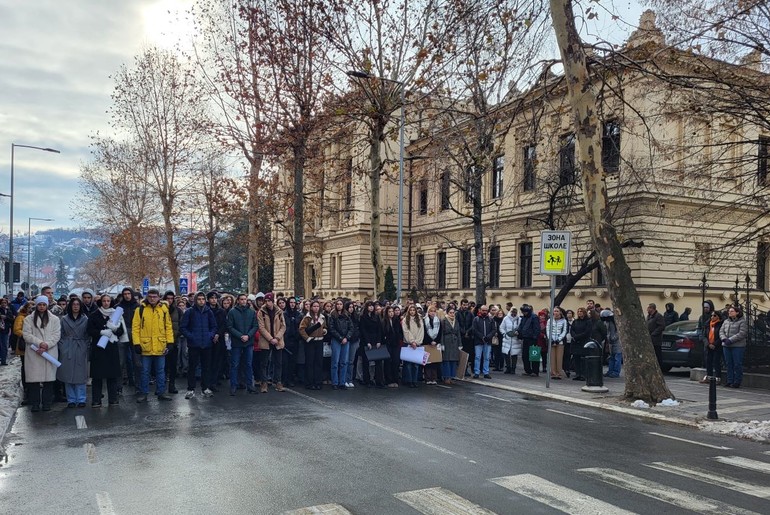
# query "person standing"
(312, 329)
(511, 344)
(172, 356)
(18, 332)
(6, 324)
(371, 338)
(484, 329)
(580, 330)
(353, 346)
(556, 332)
(219, 345)
(242, 326)
(465, 319)
(272, 327)
(733, 334)
(529, 331)
(199, 327)
(105, 361)
(713, 348)
(656, 324)
(292, 317)
(414, 334)
(613, 340)
(44, 331)
(73, 354)
(392, 334)
(432, 338)
(130, 361)
(670, 316)
(89, 306)
(451, 343)
(153, 333)
(341, 329)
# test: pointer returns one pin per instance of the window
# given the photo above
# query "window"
(333, 274)
(445, 185)
(702, 254)
(763, 253)
(567, 160)
(529, 168)
(441, 275)
(763, 151)
(470, 183)
(525, 265)
(497, 177)
(424, 197)
(420, 271)
(494, 267)
(611, 147)
(600, 280)
(465, 278)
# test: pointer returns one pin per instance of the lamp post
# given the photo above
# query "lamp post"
(737, 292)
(748, 308)
(10, 238)
(400, 245)
(29, 247)
(703, 287)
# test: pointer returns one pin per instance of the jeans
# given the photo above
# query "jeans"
(449, 369)
(616, 360)
(3, 348)
(198, 355)
(75, 392)
(351, 369)
(482, 352)
(339, 368)
(409, 372)
(714, 362)
(159, 364)
(276, 356)
(734, 364)
(238, 354)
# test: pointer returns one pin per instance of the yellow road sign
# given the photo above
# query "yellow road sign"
(554, 260)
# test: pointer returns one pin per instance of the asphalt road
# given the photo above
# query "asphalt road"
(368, 451)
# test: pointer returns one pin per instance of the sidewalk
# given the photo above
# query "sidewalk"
(745, 405)
(10, 393)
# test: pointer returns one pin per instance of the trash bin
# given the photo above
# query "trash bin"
(592, 364)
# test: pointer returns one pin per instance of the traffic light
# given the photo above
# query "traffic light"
(16, 272)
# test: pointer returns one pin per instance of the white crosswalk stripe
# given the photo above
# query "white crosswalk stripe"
(440, 501)
(674, 496)
(736, 461)
(556, 496)
(712, 478)
(326, 509)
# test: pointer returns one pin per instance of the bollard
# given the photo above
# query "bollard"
(712, 414)
(592, 367)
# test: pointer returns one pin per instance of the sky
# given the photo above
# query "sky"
(56, 59)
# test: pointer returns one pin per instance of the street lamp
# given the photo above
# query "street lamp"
(10, 238)
(29, 247)
(399, 264)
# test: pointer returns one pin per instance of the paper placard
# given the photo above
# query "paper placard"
(115, 320)
(417, 355)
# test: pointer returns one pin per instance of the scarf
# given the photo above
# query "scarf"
(712, 326)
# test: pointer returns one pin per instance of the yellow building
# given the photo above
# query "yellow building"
(686, 180)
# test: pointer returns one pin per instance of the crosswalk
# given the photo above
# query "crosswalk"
(443, 501)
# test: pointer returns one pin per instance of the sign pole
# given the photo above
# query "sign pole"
(550, 326)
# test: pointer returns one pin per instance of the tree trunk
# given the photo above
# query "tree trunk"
(253, 247)
(168, 229)
(644, 379)
(298, 240)
(375, 164)
(211, 240)
(478, 246)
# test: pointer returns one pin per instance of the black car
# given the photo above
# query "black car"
(682, 346)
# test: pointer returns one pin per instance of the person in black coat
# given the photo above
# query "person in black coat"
(290, 338)
(219, 359)
(130, 360)
(392, 335)
(465, 320)
(371, 338)
(580, 330)
(529, 332)
(105, 362)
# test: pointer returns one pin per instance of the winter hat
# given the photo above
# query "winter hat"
(251, 297)
(542, 313)
(212, 295)
(260, 295)
(88, 291)
(42, 299)
(606, 313)
(169, 292)
(269, 296)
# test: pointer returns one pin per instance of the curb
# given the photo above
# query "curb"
(587, 403)
(5, 424)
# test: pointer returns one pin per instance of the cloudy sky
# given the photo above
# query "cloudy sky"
(56, 59)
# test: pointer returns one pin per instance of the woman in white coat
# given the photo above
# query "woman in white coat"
(556, 331)
(511, 350)
(43, 330)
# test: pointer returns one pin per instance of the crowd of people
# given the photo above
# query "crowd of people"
(251, 342)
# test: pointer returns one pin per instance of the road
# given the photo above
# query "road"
(464, 449)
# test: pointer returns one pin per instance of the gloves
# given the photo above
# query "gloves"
(727, 342)
(112, 326)
(138, 349)
(105, 332)
(114, 339)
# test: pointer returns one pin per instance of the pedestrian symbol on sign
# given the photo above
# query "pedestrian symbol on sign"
(554, 260)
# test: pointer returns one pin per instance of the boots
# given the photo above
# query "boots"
(278, 387)
(263, 387)
(172, 386)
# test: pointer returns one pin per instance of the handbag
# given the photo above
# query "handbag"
(535, 353)
(327, 350)
(495, 340)
(375, 354)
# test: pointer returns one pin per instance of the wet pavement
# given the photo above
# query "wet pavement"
(431, 450)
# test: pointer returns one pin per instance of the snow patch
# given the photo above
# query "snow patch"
(757, 430)
(640, 404)
(10, 393)
(668, 402)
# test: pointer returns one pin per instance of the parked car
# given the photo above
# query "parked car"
(682, 346)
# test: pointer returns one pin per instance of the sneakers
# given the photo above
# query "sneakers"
(263, 388)
(705, 380)
(350, 385)
(190, 394)
(487, 376)
(165, 397)
(279, 387)
(475, 376)
(141, 398)
(208, 393)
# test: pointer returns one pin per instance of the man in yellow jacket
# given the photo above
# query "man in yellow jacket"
(153, 334)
